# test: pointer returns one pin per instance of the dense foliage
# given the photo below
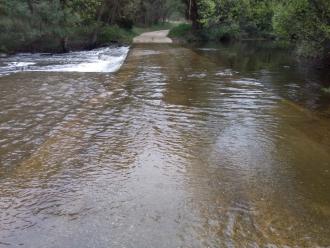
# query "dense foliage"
(61, 25)
(305, 23)
(66, 24)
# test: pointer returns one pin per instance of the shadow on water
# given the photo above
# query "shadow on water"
(299, 81)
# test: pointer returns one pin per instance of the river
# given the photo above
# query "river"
(204, 146)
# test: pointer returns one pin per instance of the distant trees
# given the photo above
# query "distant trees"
(45, 24)
(148, 12)
(23, 22)
(303, 22)
(42, 23)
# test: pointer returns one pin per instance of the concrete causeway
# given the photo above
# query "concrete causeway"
(153, 37)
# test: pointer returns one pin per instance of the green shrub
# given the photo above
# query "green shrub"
(326, 90)
(181, 31)
(125, 23)
(222, 33)
(305, 24)
(110, 34)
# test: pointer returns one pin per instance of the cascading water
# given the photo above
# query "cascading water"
(106, 59)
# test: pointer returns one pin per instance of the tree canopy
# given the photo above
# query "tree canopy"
(24, 23)
(305, 23)
(27, 23)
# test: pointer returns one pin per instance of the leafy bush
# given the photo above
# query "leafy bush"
(304, 23)
(326, 90)
(181, 31)
(125, 23)
(110, 34)
(222, 33)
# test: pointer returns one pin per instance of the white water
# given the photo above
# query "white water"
(108, 59)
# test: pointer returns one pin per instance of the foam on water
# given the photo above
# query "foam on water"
(108, 59)
(19, 64)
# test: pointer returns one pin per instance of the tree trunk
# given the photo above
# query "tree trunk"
(64, 44)
(192, 13)
(64, 39)
(30, 5)
(93, 40)
(114, 11)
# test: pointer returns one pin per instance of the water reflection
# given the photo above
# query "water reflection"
(177, 149)
(299, 82)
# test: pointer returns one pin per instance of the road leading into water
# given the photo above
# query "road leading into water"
(153, 37)
(181, 147)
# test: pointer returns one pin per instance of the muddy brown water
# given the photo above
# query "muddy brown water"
(210, 146)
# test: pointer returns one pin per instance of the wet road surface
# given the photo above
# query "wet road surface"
(182, 147)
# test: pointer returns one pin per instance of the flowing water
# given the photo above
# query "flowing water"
(209, 146)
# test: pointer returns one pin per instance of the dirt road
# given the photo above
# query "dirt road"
(153, 37)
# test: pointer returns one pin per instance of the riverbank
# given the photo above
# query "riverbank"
(81, 38)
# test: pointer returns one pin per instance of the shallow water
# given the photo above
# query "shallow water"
(210, 146)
